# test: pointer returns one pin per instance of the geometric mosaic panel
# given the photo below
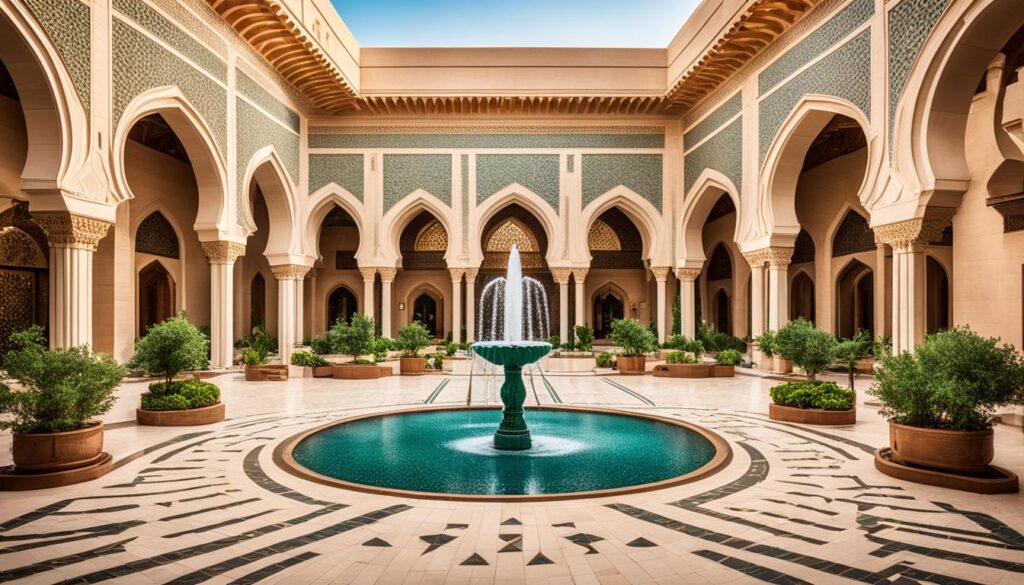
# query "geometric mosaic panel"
(910, 23)
(344, 169)
(256, 131)
(640, 172)
(405, 173)
(537, 172)
(156, 236)
(264, 99)
(67, 23)
(714, 120)
(853, 235)
(722, 152)
(169, 33)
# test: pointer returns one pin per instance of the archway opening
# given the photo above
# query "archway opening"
(257, 302)
(616, 254)
(24, 275)
(719, 280)
(425, 311)
(336, 275)
(424, 274)
(608, 307)
(855, 299)
(801, 297)
(937, 287)
(341, 305)
(156, 296)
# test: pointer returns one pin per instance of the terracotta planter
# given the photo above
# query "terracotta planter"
(782, 366)
(47, 452)
(358, 372)
(412, 366)
(766, 363)
(181, 418)
(811, 416)
(631, 366)
(720, 371)
(253, 374)
(965, 452)
(323, 371)
(264, 373)
(683, 370)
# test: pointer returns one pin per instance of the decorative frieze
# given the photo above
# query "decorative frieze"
(914, 233)
(561, 275)
(387, 274)
(289, 271)
(661, 272)
(775, 256)
(485, 137)
(66, 230)
(223, 252)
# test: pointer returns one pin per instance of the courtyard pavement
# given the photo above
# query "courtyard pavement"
(797, 504)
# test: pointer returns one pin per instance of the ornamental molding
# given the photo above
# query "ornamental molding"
(688, 274)
(457, 274)
(580, 274)
(222, 252)
(66, 230)
(914, 233)
(561, 275)
(471, 274)
(17, 248)
(779, 257)
(368, 272)
(387, 274)
(494, 129)
(661, 272)
(289, 271)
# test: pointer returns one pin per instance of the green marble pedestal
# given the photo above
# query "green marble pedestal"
(512, 433)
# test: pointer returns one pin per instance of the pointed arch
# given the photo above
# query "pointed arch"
(640, 211)
(319, 205)
(207, 163)
(837, 222)
(399, 216)
(266, 170)
(528, 200)
(706, 191)
(783, 163)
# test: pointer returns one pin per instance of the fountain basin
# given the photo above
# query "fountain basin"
(512, 353)
(446, 453)
(512, 433)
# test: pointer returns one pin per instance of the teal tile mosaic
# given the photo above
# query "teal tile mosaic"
(714, 120)
(844, 73)
(465, 203)
(139, 64)
(405, 173)
(344, 169)
(168, 32)
(640, 172)
(537, 172)
(255, 130)
(816, 43)
(487, 140)
(67, 24)
(722, 152)
(264, 99)
(910, 23)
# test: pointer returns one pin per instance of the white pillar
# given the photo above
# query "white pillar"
(456, 274)
(222, 257)
(73, 240)
(387, 276)
(289, 297)
(778, 287)
(561, 277)
(300, 310)
(757, 261)
(660, 276)
(688, 301)
(471, 304)
(580, 277)
(369, 274)
(881, 277)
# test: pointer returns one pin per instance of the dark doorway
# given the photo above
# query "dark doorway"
(723, 312)
(801, 297)
(156, 296)
(938, 296)
(424, 310)
(258, 301)
(607, 308)
(855, 300)
(341, 305)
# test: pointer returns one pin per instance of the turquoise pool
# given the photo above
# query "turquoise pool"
(451, 452)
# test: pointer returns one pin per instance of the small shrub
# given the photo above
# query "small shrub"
(715, 340)
(253, 357)
(260, 340)
(181, 395)
(381, 347)
(60, 389)
(412, 338)
(321, 345)
(694, 346)
(848, 352)
(813, 394)
(605, 359)
(354, 338)
(307, 359)
(680, 357)
(766, 343)
(555, 341)
(171, 346)
(584, 337)
(450, 349)
(676, 342)
(465, 346)
(808, 347)
(729, 357)
(634, 339)
(438, 360)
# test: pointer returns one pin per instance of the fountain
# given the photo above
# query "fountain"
(512, 353)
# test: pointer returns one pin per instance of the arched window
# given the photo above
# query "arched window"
(341, 304)
(156, 296)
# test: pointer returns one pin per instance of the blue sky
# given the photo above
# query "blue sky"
(514, 23)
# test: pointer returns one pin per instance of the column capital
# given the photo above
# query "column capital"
(688, 274)
(580, 274)
(387, 274)
(471, 274)
(223, 252)
(67, 230)
(661, 272)
(456, 274)
(774, 256)
(368, 272)
(561, 275)
(914, 232)
(289, 271)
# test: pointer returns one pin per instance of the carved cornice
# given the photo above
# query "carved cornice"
(221, 252)
(561, 275)
(580, 274)
(776, 256)
(914, 233)
(688, 274)
(387, 273)
(456, 274)
(661, 272)
(531, 105)
(471, 274)
(369, 273)
(757, 258)
(289, 271)
(66, 230)
(503, 129)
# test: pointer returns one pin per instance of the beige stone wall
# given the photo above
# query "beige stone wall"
(13, 147)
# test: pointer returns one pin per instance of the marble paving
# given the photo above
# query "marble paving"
(796, 504)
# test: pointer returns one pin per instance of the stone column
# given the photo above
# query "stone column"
(580, 276)
(222, 257)
(688, 301)
(369, 274)
(561, 277)
(73, 240)
(289, 297)
(387, 276)
(778, 286)
(660, 276)
(456, 274)
(471, 304)
(909, 302)
(757, 260)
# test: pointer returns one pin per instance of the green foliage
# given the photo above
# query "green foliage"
(882, 345)
(584, 337)
(59, 390)
(260, 340)
(381, 347)
(729, 357)
(715, 340)
(253, 357)
(354, 338)
(412, 338)
(634, 339)
(676, 342)
(307, 359)
(605, 359)
(450, 349)
(766, 343)
(848, 352)
(677, 316)
(812, 394)
(464, 346)
(680, 357)
(694, 346)
(321, 345)
(555, 341)
(806, 346)
(954, 380)
(170, 347)
(181, 395)
(438, 360)
(307, 340)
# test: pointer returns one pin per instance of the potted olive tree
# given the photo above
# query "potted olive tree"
(636, 341)
(356, 339)
(52, 399)
(725, 363)
(940, 400)
(807, 347)
(169, 348)
(411, 339)
(766, 345)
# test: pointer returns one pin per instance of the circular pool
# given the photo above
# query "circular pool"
(448, 453)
